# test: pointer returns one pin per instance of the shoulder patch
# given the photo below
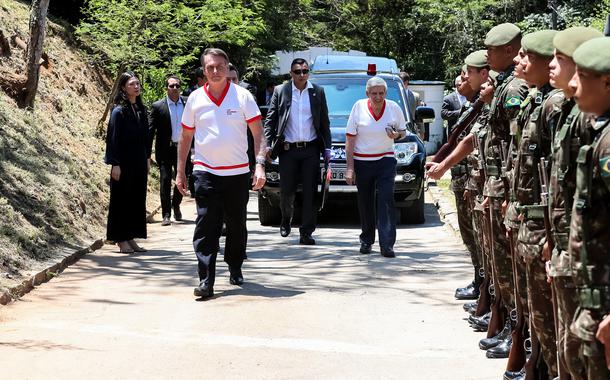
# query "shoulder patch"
(513, 101)
(604, 164)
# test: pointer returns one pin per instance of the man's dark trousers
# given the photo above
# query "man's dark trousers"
(300, 165)
(375, 181)
(216, 196)
(167, 172)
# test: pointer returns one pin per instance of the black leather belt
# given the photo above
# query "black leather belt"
(298, 144)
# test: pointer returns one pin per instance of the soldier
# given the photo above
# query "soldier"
(566, 142)
(589, 242)
(539, 113)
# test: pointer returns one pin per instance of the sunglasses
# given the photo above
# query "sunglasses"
(174, 86)
(301, 72)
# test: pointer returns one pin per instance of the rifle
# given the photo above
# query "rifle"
(467, 118)
(544, 201)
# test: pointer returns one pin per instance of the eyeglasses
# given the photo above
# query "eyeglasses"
(174, 86)
(301, 72)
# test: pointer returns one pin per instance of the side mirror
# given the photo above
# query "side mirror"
(424, 114)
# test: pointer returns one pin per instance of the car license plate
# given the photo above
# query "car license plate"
(338, 174)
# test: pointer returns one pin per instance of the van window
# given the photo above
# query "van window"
(342, 94)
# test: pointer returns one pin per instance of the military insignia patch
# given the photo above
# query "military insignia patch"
(513, 101)
(604, 164)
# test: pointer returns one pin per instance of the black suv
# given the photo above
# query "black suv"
(344, 81)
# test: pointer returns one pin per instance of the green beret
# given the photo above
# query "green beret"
(568, 40)
(539, 43)
(594, 55)
(502, 34)
(477, 59)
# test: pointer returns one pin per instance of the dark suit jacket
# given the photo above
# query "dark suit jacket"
(451, 109)
(159, 121)
(279, 110)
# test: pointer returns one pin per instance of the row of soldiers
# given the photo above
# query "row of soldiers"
(531, 174)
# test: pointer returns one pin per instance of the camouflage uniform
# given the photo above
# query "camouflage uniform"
(538, 115)
(589, 244)
(508, 95)
(567, 141)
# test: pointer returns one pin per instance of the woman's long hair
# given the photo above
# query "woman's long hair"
(121, 98)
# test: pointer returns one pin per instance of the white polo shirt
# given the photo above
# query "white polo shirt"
(372, 141)
(221, 138)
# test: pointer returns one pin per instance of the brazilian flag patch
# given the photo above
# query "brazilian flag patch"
(604, 164)
(513, 101)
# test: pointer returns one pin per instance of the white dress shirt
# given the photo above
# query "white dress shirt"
(300, 121)
(175, 115)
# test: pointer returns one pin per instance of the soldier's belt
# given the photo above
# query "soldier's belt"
(459, 170)
(595, 298)
(492, 170)
(531, 211)
(561, 240)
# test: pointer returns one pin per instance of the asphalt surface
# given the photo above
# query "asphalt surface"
(315, 312)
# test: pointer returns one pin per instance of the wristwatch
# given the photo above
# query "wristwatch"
(260, 160)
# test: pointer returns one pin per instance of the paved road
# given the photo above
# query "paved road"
(319, 312)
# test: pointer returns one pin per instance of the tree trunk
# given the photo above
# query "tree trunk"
(38, 18)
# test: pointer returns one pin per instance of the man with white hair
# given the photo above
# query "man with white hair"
(453, 105)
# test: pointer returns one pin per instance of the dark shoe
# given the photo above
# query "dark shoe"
(473, 310)
(514, 375)
(307, 240)
(235, 276)
(470, 292)
(487, 343)
(365, 248)
(166, 221)
(481, 323)
(285, 229)
(502, 350)
(203, 291)
(177, 213)
(469, 305)
(387, 252)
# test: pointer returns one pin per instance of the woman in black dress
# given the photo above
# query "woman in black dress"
(128, 153)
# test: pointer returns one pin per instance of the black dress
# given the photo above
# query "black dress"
(127, 147)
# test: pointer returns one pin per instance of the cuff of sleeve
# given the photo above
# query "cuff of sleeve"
(255, 118)
(187, 127)
(350, 134)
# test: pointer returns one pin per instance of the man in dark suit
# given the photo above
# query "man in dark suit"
(298, 130)
(164, 121)
(452, 107)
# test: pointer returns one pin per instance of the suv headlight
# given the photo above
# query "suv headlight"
(405, 152)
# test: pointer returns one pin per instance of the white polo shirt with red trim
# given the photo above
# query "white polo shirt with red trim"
(221, 125)
(372, 141)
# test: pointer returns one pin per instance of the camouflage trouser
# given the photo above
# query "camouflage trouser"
(531, 240)
(503, 267)
(478, 228)
(464, 214)
(568, 344)
(521, 288)
(592, 351)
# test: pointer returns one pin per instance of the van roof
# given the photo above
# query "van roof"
(343, 63)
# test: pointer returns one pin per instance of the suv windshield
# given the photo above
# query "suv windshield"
(342, 93)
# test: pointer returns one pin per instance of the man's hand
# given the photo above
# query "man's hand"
(603, 335)
(504, 207)
(326, 156)
(546, 252)
(350, 177)
(181, 182)
(258, 181)
(115, 173)
(436, 171)
(392, 133)
(466, 195)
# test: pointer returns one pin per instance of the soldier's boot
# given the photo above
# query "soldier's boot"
(480, 323)
(515, 375)
(470, 291)
(469, 305)
(484, 301)
(487, 343)
(502, 350)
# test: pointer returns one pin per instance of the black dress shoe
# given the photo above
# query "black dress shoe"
(307, 240)
(473, 310)
(177, 213)
(514, 375)
(235, 276)
(469, 305)
(480, 323)
(284, 230)
(203, 291)
(471, 292)
(387, 252)
(502, 350)
(365, 248)
(487, 343)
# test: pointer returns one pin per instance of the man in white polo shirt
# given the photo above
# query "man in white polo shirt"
(218, 115)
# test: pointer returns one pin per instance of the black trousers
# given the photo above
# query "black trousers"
(375, 183)
(218, 196)
(299, 165)
(167, 172)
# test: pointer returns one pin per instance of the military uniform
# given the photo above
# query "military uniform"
(589, 242)
(569, 135)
